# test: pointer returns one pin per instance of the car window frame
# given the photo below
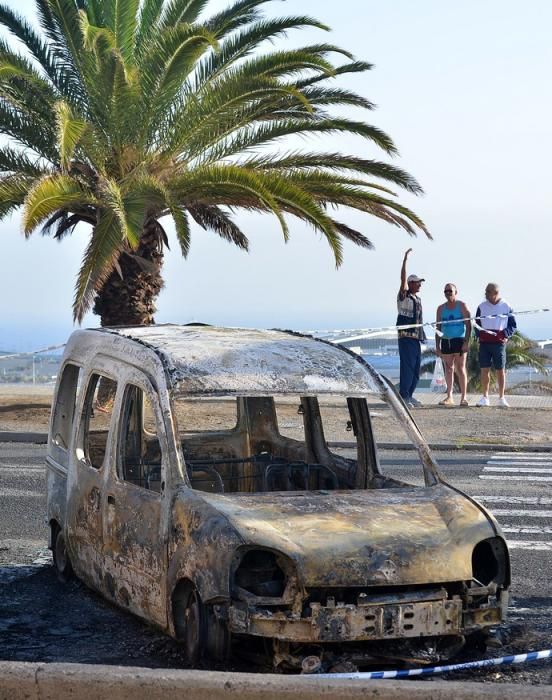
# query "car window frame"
(56, 450)
(141, 382)
(82, 459)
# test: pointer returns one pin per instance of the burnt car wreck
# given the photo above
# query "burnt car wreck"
(190, 482)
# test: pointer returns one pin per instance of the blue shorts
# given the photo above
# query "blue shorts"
(492, 354)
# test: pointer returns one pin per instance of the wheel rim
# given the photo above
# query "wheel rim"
(193, 627)
(61, 553)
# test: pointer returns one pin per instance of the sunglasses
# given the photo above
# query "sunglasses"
(449, 291)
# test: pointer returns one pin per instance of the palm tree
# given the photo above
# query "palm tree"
(521, 351)
(123, 112)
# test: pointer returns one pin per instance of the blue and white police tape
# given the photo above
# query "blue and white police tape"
(434, 670)
(345, 336)
(32, 352)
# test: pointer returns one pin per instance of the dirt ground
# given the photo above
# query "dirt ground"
(28, 409)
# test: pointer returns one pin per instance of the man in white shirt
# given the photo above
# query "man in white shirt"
(497, 324)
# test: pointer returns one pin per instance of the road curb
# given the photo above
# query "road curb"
(40, 681)
(42, 439)
(13, 436)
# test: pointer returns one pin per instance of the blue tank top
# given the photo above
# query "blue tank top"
(453, 330)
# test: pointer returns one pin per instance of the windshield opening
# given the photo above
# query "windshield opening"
(288, 443)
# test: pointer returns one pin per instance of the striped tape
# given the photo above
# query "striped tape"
(434, 670)
(383, 330)
(32, 352)
(363, 332)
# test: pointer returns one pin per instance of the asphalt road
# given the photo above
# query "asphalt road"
(516, 487)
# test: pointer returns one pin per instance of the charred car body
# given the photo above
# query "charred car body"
(240, 531)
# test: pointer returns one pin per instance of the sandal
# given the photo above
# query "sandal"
(464, 403)
(447, 402)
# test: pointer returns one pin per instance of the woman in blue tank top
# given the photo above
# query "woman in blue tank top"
(451, 342)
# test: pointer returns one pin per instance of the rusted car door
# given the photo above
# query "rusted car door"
(92, 453)
(135, 505)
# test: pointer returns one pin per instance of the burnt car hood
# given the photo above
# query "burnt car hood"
(392, 536)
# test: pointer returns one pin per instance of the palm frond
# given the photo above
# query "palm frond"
(335, 162)
(13, 190)
(150, 12)
(70, 132)
(121, 16)
(352, 235)
(182, 228)
(22, 30)
(243, 43)
(62, 224)
(15, 161)
(129, 210)
(353, 67)
(215, 219)
(171, 58)
(48, 195)
(239, 14)
(246, 138)
(181, 12)
(106, 243)
(219, 181)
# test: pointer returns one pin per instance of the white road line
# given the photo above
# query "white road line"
(521, 470)
(522, 455)
(527, 529)
(523, 513)
(531, 457)
(537, 545)
(17, 469)
(520, 463)
(529, 500)
(507, 477)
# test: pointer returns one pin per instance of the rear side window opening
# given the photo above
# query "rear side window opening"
(255, 444)
(64, 409)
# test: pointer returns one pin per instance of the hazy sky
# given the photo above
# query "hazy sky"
(464, 89)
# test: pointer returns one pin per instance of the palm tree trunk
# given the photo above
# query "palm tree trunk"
(128, 298)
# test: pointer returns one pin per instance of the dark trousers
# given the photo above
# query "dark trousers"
(410, 354)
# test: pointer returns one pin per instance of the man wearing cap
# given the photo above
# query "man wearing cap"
(409, 307)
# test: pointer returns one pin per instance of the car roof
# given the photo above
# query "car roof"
(203, 359)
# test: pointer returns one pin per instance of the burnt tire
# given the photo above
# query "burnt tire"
(62, 562)
(190, 624)
(219, 640)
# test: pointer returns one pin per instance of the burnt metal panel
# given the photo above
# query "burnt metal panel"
(248, 361)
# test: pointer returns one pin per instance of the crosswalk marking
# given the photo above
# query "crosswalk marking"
(511, 477)
(17, 469)
(522, 469)
(537, 545)
(528, 500)
(522, 513)
(522, 455)
(518, 466)
(527, 530)
(531, 467)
